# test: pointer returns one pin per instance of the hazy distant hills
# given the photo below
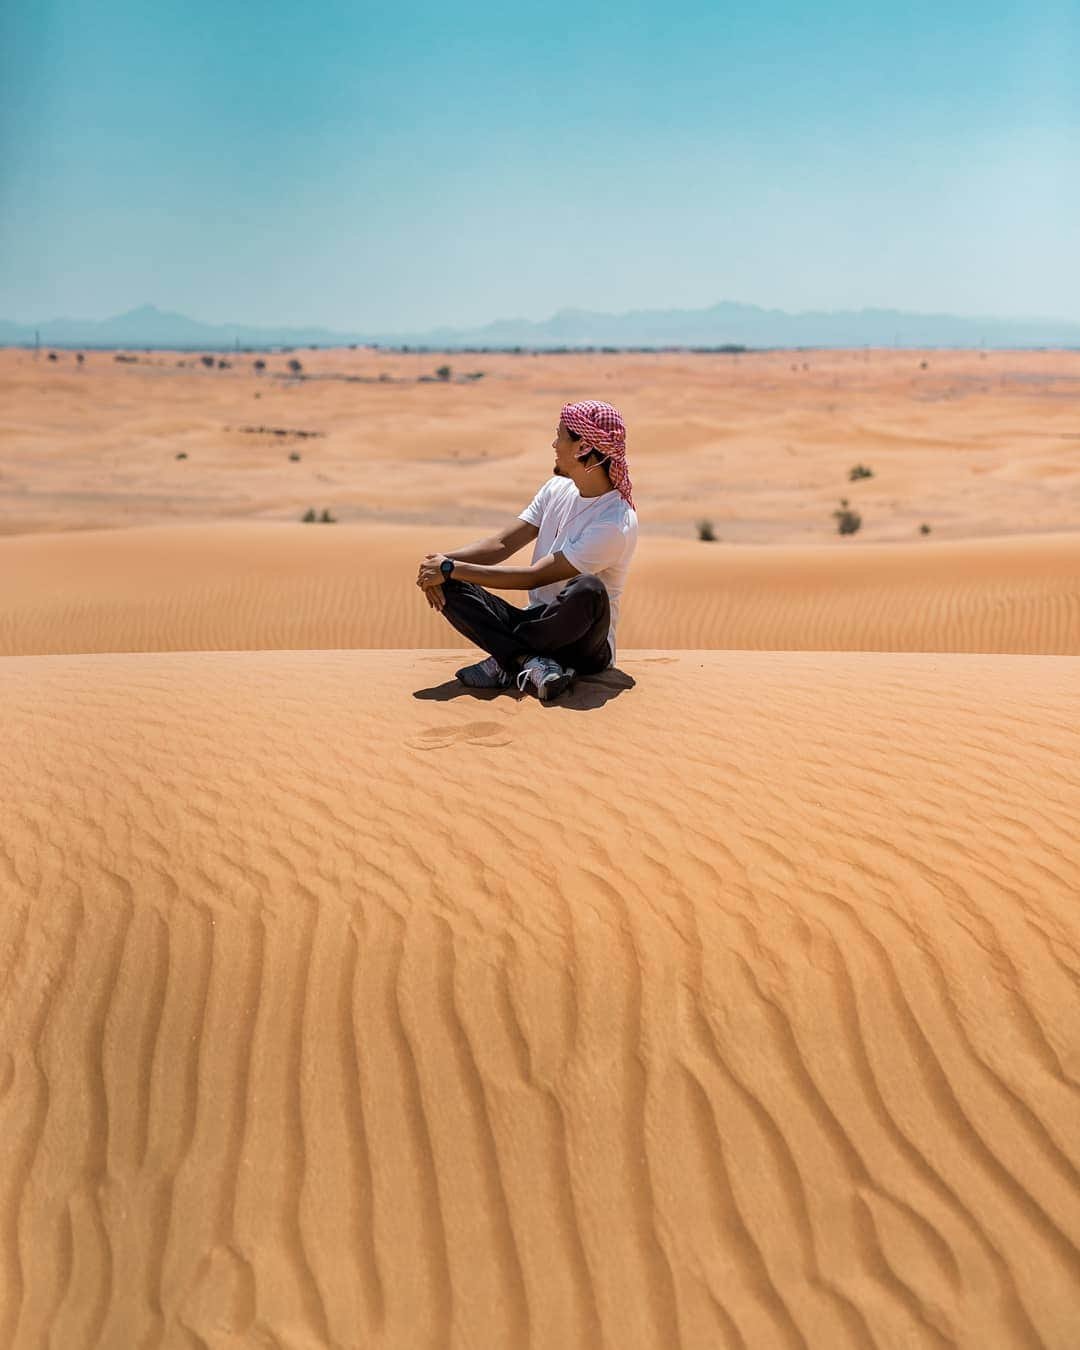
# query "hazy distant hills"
(721, 324)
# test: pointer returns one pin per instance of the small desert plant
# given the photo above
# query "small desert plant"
(923, 365)
(295, 455)
(295, 366)
(327, 519)
(208, 362)
(706, 532)
(847, 521)
(443, 372)
(181, 454)
(224, 365)
(260, 365)
(475, 375)
(384, 378)
(924, 528)
(79, 357)
(860, 471)
(309, 516)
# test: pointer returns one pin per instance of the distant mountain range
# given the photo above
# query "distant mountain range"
(723, 324)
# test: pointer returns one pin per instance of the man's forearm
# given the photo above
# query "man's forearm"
(491, 550)
(496, 578)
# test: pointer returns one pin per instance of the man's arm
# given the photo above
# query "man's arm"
(553, 567)
(501, 545)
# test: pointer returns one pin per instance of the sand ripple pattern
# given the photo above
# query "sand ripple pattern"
(337, 1016)
(230, 587)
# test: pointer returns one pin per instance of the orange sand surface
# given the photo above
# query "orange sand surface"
(232, 586)
(731, 1001)
(761, 444)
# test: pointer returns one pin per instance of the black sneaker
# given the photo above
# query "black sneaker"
(484, 675)
(546, 676)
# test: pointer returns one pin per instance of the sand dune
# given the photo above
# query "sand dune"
(973, 443)
(263, 586)
(345, 1007)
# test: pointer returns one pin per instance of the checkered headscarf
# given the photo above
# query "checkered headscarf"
(601, 428)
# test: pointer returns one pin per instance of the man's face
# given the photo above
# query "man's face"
(565, 450)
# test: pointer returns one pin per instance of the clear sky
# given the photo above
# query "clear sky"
(404, 163)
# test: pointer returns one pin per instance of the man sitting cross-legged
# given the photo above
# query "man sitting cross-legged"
(585, 526)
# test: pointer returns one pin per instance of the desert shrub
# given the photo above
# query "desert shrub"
(847, 521)
(923, 365)
(224, 365)
(860, 471)
(705, 531)
(294, 455)
(309, 515)
(208, 362)
(443, 372)
(52, 356)
(924, 528)
(295, 366)
(475, 375)
(181, 454)
(327, 519)
(79, 357)
(384, 378)
(260, 365)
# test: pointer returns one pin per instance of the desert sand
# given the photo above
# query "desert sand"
(225, 586)
(731, 1001)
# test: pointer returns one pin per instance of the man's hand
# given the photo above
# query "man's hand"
(430, 573)
(430, 579)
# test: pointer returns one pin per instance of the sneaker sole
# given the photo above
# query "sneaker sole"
(559, 684)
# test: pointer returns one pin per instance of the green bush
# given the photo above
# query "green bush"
(309, 515)
(706, 532)
(860, 471)
(847, 521)
(443, 372)
(924, 528)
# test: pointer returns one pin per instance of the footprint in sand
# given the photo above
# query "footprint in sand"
(476, 733)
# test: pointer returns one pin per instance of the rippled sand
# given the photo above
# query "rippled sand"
(731, 1001)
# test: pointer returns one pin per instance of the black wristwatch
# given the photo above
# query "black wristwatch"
(446, 567)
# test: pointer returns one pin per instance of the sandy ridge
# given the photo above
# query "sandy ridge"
(345, 1008)
(272, 586)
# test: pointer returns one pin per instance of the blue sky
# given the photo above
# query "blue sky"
(394, 166)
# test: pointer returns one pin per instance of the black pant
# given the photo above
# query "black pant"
(572, 628)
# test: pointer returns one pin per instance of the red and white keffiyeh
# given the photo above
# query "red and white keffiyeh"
(601, 427)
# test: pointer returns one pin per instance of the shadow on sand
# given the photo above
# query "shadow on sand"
(587, 691)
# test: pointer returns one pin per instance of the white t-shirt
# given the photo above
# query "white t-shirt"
(597, 534)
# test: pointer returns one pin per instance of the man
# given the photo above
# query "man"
(585, 526)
